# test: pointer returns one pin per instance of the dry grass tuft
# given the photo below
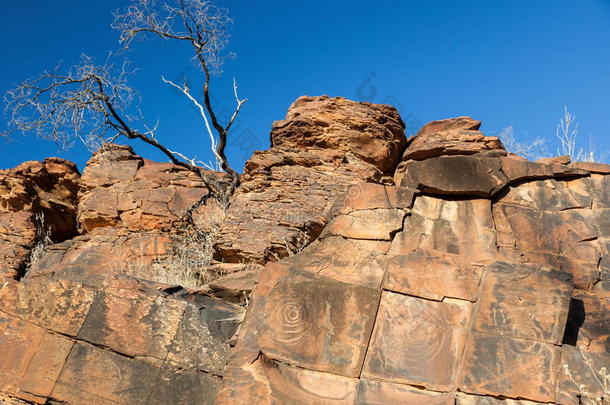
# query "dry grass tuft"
(43, 237)
(187, 263)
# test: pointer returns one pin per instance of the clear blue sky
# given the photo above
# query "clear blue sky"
(505, 62)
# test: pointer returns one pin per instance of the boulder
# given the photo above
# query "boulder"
(455, 136)
(120, 189)
(477, 176)
(322, 147)
(374, 133)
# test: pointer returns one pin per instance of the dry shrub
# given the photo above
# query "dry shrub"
(529, 149)
(187, 263)
(43, 238)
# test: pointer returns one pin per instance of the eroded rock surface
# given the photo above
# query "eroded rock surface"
(70, 343)
(121, 189)
(84, 325)
(374, 133)
(481, 279)
(324, 145)
(37, 199)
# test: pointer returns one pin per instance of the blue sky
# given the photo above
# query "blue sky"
(510, 62)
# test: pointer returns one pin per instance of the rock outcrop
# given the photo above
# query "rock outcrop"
(90, 322)
(37, 199)
(324, 145)
(372, 132)
(120, 344)
(494, 295)
(474, 278)
(120, 189)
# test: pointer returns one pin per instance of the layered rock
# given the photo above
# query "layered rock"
(121, 189)
(372, 132)
(65, 342)
(84, 326)
(37, 199)
(420, 299)
(324, 145)
(480, 280)
(131, 212)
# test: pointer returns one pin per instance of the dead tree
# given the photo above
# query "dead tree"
(90, 102)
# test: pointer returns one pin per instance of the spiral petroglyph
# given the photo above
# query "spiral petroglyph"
(292, 320)
(426, 341)
(355, 191)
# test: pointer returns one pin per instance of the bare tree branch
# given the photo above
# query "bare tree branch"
(204, 26)
(85, 103)
(90, 102)
(187, 93)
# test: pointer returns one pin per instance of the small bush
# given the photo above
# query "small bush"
(43, 240)
(532, 150)
(187, 263)
(567, 133)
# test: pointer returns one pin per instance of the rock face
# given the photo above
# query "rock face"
(36, 198)
(372, 132)
(118, 344)
(456, 136)
(121, 189)
(421, 298)
(324, 145)
(478, 278)
(482, 276)
(84, 325)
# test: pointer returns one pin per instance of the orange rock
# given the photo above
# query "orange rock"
(417, 342)
(378, 392)
(121, 189)
(311, 321)
(372, 132)
(500, 365)
(36, 198)
(454, 136)
(322, 147)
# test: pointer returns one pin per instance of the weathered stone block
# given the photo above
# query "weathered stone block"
(378, 392)
(311, 321)
(142, 327)
(93, 374)
(180, 387)
(432, 275)
(19, 341)
(464, 228)
(504, 366)
(359, 262)
(266, 381)
(524, 302)
(583, 376)
(45, 368)
(60, 306)
(417, 342)
(456, 175)
(374, 224)
(200, 342)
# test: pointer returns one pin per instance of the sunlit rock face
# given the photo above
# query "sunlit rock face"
(479, 278)
(324, 145)
(378, 270)
(37, 199)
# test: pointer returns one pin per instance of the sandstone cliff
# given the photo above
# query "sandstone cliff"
(375, 270)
